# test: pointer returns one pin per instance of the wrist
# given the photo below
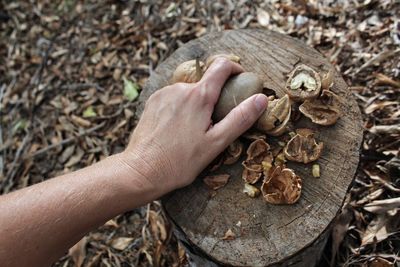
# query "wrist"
(137, 177)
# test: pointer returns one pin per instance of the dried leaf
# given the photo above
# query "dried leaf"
(75, 158)
(382, 206)
(121, 243)
(78, 252)
(376, 231)
(379, 105)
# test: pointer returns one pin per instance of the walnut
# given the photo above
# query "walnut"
(282, 187)
(303, 147)
(188, 72)
(303, 83)
(275, 118)
(230, 57)
(324, 110)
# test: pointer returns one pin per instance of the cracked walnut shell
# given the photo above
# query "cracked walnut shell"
(233, 152)
(258, 155)
(303, 147)
(283, 187)
(324, 110)
(275, 118)
(303, 83)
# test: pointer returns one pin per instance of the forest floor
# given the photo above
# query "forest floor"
(69, 72)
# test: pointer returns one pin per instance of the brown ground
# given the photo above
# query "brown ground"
(63, 106)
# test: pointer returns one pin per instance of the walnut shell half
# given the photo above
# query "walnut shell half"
(275, 118)
(303, 147)
(257, 155)
(233, 152)
(303, 83)
(324, 110)
(283, 187)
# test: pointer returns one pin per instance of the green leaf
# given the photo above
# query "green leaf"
(131, 89)
(18, 126)
(89, 112)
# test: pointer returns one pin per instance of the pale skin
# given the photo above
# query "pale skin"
(39, 223)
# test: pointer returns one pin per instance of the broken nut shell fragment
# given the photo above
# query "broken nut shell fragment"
(303, 83)
(258, 155)
(188, 72)
(233, 152)
(282, 187)
(303, 147)
(327, 79)
(275, 118)
(324, 110)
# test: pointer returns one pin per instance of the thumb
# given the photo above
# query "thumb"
(241, 118)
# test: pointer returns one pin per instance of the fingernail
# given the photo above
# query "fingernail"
(261, 102)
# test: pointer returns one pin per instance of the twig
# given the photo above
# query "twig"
(81, 86)
(3, 87)
(385, 129)
(13, 170)
(64, 142)
(150, 48)
(378, 58)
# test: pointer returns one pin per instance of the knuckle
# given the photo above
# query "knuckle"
(217, 138)
(221, 63)
(202, 91)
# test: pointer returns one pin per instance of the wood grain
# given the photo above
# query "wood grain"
(268, 234)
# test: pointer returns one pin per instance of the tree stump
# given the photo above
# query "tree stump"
(266, 235)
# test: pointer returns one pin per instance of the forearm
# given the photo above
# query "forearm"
(42, 221)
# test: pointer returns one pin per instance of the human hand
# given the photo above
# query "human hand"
(175, 138)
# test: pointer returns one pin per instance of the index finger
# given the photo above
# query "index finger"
(216, 75)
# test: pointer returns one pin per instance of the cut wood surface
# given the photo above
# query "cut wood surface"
(265, 234)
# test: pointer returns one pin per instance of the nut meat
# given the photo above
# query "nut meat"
(303, 83)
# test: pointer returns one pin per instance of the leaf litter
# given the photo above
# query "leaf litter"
(71, 73)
